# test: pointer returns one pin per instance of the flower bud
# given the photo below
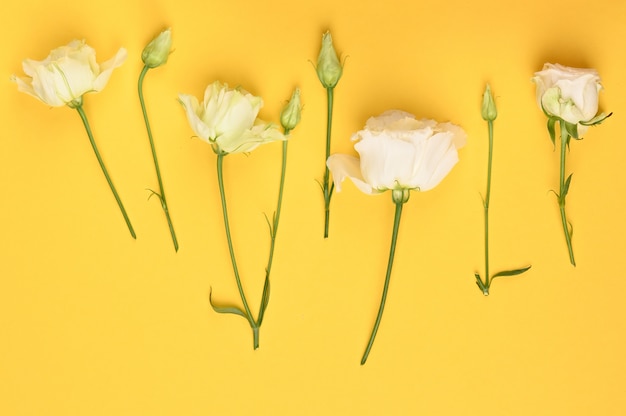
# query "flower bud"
(489, 111)
(157, 51)
(290, 116)
(400, 195)
(328, 68)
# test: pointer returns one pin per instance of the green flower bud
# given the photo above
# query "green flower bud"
(328, 67)
(400, 195)
(489, 111)
(290, 116)
(157, 51)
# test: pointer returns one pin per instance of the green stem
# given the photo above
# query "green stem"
(486, 207)
(394, 237)
(220, 178)
(83, 117)
(326, 188)
(563, 194)
(274, 230)
(161, 194)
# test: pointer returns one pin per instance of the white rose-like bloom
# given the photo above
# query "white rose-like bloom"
(66, 74)
(227, 119)
(570, 94)
(399, 152)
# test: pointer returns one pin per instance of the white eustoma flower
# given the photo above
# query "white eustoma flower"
(227, 119)
(66, 74)
(398, 152)
(570, 94)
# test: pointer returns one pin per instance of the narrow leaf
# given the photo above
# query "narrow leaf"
(265, 299)
(551, 130)
(268, 224)
(566, 186)
(511, 272)
(481, 285)
(226, 309)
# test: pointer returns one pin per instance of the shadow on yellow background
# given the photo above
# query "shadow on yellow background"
(95, 323)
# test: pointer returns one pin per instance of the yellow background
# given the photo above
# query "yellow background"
(95, 323)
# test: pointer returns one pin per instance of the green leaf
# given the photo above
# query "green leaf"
(551, 130)
(572, 129)
(265, 299)
(269, 224)
(566, 186)
(511, 272)
(481, 285)
(226, 309)
(320, 184)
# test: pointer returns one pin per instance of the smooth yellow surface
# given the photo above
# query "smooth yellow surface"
(94, 323)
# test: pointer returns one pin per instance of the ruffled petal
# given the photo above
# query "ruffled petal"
(107, 68)
(194, 112)
(346, 166)
(386, 163)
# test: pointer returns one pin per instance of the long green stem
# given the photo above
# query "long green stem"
(220, 178)
(486, 205)
(394, 237)
(276, 219)
(161, 194)
(83, 117)
(563, 193)
(328, 193)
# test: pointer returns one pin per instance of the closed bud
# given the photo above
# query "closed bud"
(158, 50)
(489, 111)
(328, 67)
(290, 116)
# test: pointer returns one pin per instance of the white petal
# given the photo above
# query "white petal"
(386, 163)
(107, 68)
(346, 166)
(194, 112)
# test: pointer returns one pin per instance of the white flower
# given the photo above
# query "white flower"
(570, 94)
(398, 152)
(227, 119)
(66, 74)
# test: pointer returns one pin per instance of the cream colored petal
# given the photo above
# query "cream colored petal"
(260, 133)
(50, 87)
(71, 80)
(194, 112)
(343, 166)
(459, 135)
(107, 68)
(386, 163)
(382, 121)
(443, 159)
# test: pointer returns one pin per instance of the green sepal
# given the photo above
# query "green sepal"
(511, 272)
(597, 119)
(552, 130)
(572, 129)
(226, 309)
(265, 299)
